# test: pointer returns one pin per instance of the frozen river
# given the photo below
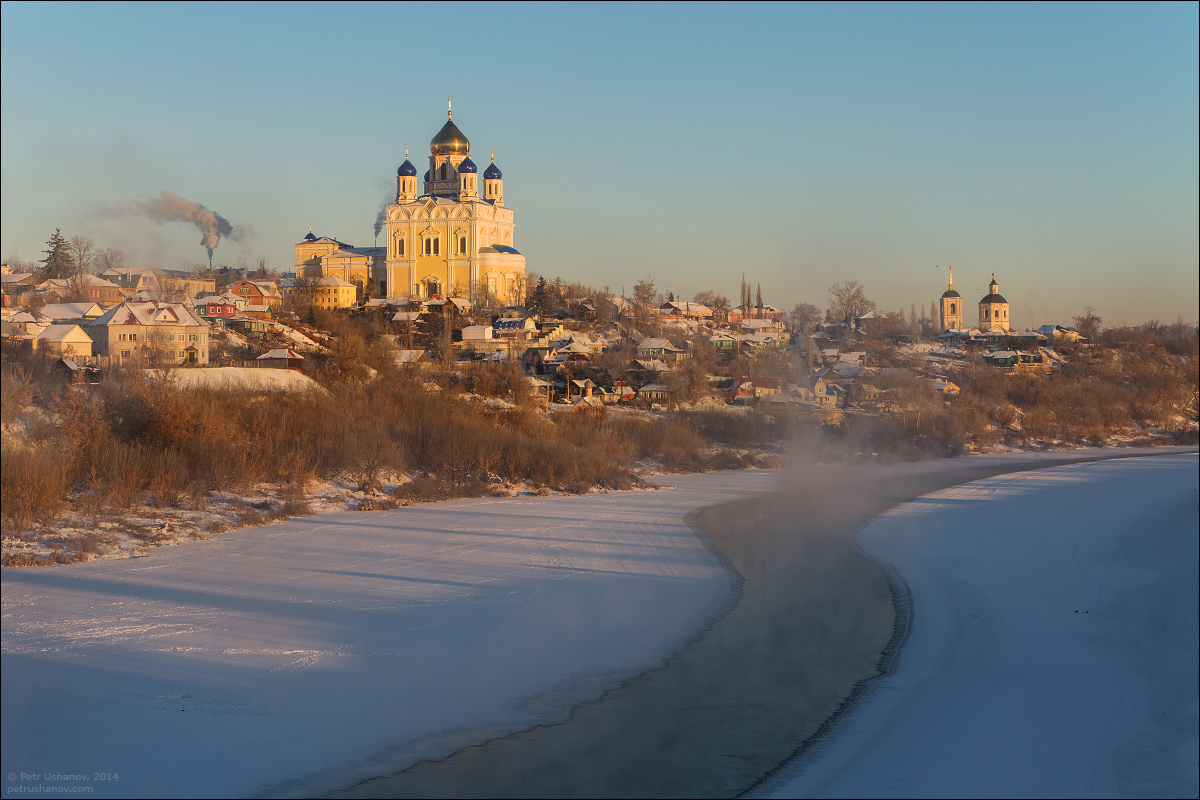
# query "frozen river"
(356, 651)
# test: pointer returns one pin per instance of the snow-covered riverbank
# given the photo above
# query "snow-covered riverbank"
(350, 644)
(1053, 644)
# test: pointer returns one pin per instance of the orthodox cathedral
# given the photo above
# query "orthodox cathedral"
(993, 309)
(451, 238)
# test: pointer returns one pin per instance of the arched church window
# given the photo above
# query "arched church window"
(462, 245)
(952, 308)
(400, 247)
(437, 246)
(443, 172)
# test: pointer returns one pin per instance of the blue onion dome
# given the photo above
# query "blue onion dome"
(406, 170)
(449, 141)
(310, 237)
(492, 173)
(468, 166)
(427, 176)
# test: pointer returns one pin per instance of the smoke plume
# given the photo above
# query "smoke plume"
(380, 218)
(170, 207)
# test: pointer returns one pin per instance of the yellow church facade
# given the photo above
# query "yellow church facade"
(453, 237)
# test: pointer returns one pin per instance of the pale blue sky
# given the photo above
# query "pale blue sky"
(799, 144)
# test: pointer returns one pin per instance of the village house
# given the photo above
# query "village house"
(332, 292)
(514, 327)
(746, 390)
(655, 393)
(151, 332)
(62, 312)
(257, 293)
(17, 287)
(218, 309)
(282, 358)
(659, 349)
(15, 340)
(683, 310)
(89, 287)
(65, 341)
(822, 394)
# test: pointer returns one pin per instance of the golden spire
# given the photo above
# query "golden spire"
(493, 155)
(951, 276)
(449, 108)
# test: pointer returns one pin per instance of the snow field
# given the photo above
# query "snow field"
(313, 653)
(1052, 648)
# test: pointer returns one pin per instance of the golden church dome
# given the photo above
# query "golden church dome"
(449, 141)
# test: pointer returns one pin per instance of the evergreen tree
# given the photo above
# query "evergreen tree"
(58, 258)
(539, 298)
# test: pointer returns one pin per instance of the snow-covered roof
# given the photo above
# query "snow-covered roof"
(333, 280)
(149, 313)
(72, 310)
(63, 333)
(278, 353)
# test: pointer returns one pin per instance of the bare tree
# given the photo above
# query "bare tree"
(803, 316)
(1089, 324)
(109, 258)
(83, 256)
(646, 302)
(848, 301)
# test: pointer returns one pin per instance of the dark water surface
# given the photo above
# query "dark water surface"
(811, 623)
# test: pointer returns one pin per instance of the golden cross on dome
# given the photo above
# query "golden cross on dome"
(449, 108)
(406, 152)
(493, 155)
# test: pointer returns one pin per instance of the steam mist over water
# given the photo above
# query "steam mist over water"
(811, 622)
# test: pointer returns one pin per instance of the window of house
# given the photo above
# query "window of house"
(124, 354)
(133, 337)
